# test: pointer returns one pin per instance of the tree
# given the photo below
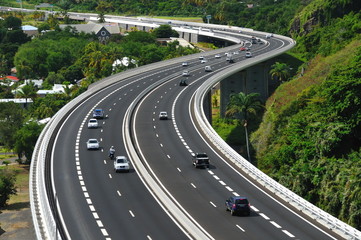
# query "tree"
(28, 91)
(7, 185)
(164, 31)
(12, 23)
(281, 71)
(11, 119)
(26, 138)
(244, 104)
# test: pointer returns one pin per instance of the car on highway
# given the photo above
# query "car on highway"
(200, 160)
(93, 123)
(98, 113)
(183, 82)
(238, 205)
(163, 115)
(201, 58)
(92, 144)
(217, 56)
(121, 164)
(235, 53)
(185, 73)
(185, 64)
(208, 69)
(204, 60)
(242, 48)
(248, 55)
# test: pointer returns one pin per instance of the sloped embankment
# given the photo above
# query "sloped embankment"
(310, 136)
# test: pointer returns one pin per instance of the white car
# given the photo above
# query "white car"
(204, 60)
(121, 163)
(217, 56)
(92, 144)
(201, 58)
(163, 115)
(185, 64)
(185, 73)
(93, 123)
(248, 54)
(208, 68)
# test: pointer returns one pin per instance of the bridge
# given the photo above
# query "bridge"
(75, 194)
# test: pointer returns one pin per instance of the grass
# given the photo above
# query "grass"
(7, 156)
(21, 199)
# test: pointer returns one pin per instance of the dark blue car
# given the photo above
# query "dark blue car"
(98, 113)
(238, 205)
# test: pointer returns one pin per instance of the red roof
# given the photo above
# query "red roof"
(12, 78)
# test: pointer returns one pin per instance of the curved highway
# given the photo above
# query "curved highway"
(97, 203)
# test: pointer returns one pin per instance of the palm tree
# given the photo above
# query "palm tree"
(281, 71)
(244, 104)
(28, 91)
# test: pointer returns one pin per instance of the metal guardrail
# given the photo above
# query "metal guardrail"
(43, 210)
(284, 193)
(40, 202)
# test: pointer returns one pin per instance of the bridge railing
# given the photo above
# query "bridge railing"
(284, 193)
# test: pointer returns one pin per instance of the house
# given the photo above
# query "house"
(102, 30)
(22, 101)
(57, 89)
(11, 79)
(29, 30)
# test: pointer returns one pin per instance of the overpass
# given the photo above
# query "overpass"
(255, 79)
(84, 201)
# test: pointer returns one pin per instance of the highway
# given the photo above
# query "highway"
(97, 203)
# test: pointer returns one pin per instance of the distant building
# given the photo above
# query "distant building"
(102, 30)
(21, 101)
(57, 89)
(30, 30)
(11, 78)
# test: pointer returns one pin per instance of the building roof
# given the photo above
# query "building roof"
(12, 78)
(17, 100)
(112, 28)
(29, 28)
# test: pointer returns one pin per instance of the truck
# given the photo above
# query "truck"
(200, 160)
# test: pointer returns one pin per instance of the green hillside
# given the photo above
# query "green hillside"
(310, 136)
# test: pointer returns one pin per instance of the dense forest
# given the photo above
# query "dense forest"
(309, 137)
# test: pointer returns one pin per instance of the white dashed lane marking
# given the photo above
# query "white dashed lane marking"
(264, 216)
(275, 224)
(240, 228)
(131, 213)
(288, 233)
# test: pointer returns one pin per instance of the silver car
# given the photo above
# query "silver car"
(92, 144)
(163, 115)
(248, 54)
(93, 123)
(185, 73)
(121, 163)
(208, 68)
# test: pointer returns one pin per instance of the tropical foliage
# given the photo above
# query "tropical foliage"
(240, 106)
(311, 141)
(7, 185)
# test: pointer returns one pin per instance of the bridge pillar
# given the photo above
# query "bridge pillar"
(254, 79)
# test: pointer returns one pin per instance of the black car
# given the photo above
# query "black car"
(183, 82)
(238, 205)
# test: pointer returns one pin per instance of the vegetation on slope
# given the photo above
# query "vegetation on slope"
(310, 137)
